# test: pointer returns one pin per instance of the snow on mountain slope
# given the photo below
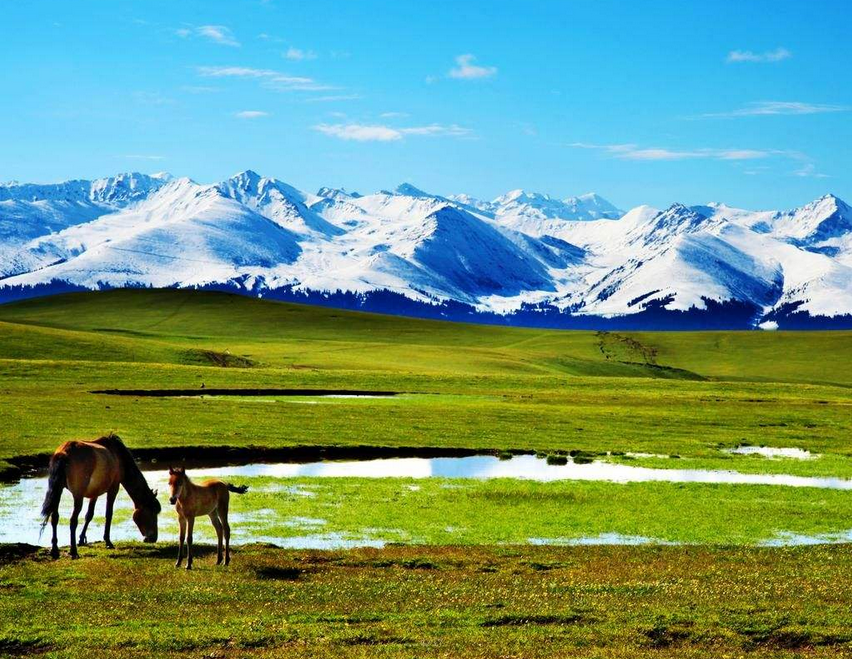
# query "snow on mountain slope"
(28, 211)
(183, 234)
(278, 201)
(419, 244)
(579, 254)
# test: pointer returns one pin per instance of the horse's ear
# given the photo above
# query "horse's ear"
(154, 492)
(171, 471)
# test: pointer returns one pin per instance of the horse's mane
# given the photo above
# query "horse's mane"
(134, 481)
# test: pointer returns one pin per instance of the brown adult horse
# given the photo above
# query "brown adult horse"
(88, 470)
(209, 498)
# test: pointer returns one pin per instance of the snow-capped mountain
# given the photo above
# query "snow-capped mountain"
(523, 257)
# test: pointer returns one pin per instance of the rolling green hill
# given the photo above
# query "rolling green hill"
(468, 386)
(170, 326)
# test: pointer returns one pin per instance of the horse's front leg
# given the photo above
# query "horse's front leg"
(181, 538)
(75, 515)
(90, 512)
(110, 503)
(190, 523)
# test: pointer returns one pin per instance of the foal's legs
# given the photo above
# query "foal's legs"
(190, 523)
(75, 514)
(222, 509)
(214, 518)
(182, 537)
(90, 512)
(110, 501)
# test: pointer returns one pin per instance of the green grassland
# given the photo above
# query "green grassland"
(613, 602)
(482, 387)
(471, 584)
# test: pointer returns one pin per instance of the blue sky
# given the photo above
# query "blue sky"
(653, 102)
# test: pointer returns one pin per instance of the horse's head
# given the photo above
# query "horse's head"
(145, 517)
(177, 480)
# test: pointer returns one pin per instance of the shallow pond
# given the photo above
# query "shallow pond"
(20, 502)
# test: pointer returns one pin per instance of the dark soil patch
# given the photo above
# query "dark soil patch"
(11, 647)
(222, 359)
(279, 573)
(15, 551)
(216, 391)
(522, 620)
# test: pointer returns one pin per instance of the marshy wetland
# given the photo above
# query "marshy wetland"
(420, 488)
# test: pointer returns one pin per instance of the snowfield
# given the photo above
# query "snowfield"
(580, 256)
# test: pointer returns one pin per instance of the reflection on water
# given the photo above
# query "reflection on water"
(20, 503)
(524, 467)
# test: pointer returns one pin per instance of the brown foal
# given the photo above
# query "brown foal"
(191, 500)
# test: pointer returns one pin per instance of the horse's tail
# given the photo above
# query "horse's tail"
(55, 484)
(239, 489)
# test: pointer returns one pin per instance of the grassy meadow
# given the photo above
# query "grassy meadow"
(607, 602)
(461, 574)
(685, 394)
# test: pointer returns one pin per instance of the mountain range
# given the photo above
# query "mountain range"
(523, 258)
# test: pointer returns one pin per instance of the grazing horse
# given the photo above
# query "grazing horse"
(209, 498)
(88, 470)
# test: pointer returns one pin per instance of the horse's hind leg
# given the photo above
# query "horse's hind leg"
(54, 543)
(226, 528)
(110, 502)
(214, 518)
(75, 515)
(90, 512)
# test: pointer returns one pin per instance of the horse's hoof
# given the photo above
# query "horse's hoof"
(83, 542)
(177, 565)
(75, 556)
(188, 567)
(54, 553)
(219, 562)
(108, 544)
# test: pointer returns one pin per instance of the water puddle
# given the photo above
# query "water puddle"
(600, 539)
(790, 539)
(771, 452)
(523, 467)
(21, 501)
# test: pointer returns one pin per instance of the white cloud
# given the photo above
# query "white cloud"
(217, 34)
(635, 152)
(766, 108)
(776, 55)
(333, 98)
(269, 78)
(382, 133)
(808, 170)
(466, 69)
(297, 54)
(234, 72)
(251, 114)
(200, 89)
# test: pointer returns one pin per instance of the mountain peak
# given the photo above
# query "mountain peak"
(409, 190)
